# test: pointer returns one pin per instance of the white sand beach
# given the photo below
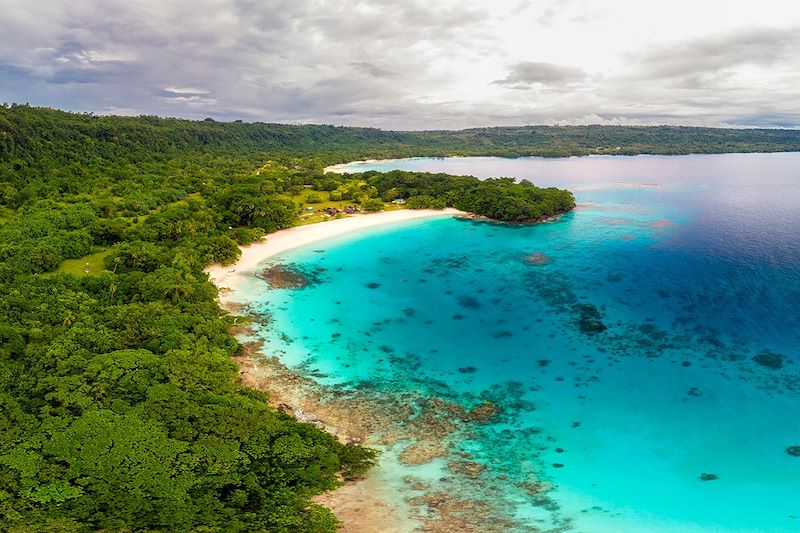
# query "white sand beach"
(228, 277)
(366, 506)
(341, 168)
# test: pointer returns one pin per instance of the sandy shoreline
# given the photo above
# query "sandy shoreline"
(368, 505)
(228, 277)
(341, 168)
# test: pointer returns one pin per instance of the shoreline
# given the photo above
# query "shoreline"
(341, 168)
(229, 277)
(365, 505)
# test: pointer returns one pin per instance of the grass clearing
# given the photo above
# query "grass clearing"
(78, 266)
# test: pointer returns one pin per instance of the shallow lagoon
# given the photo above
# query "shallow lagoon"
(692, 263)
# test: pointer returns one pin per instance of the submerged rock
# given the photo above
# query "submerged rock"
(794, 451)
(769, 359)
(708, 477)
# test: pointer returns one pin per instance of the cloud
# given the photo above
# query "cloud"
(523, 74)
(185, 91)
(186, 95)
(411, 64)
(373, 70)
(709, 55)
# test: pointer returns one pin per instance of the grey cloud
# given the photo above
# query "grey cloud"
(265, 59)
(373, 70)
(523, 74)
(700, 58)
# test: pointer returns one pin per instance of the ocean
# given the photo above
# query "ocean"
(640, 355)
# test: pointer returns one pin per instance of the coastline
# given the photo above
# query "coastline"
(369, 504)
(229, 277)
(342, 168)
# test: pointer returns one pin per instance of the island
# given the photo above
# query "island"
(122, 405)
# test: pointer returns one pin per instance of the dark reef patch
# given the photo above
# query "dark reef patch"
(769, 359)
(469, 302)
(589, 320)
(281, 276)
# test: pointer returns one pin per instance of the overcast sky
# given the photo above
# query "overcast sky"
(410, 64)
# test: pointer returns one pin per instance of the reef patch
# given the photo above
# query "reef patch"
(769, 359)
(282, 276)
(537, 259)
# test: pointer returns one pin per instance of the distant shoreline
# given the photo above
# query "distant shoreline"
(341, 168)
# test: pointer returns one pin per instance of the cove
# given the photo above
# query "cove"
(641, 351)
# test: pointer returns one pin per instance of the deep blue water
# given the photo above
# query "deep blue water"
(693, 264)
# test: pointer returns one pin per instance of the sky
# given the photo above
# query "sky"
(410, 64)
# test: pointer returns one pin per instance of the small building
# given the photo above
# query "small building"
(399, 201)
(309, 209)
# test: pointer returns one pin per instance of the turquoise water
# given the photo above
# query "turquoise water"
(692, 263)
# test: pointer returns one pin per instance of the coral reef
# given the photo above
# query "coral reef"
(769, 359)
(589, 320)
(280, 276)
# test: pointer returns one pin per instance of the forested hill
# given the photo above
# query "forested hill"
(26, 132)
